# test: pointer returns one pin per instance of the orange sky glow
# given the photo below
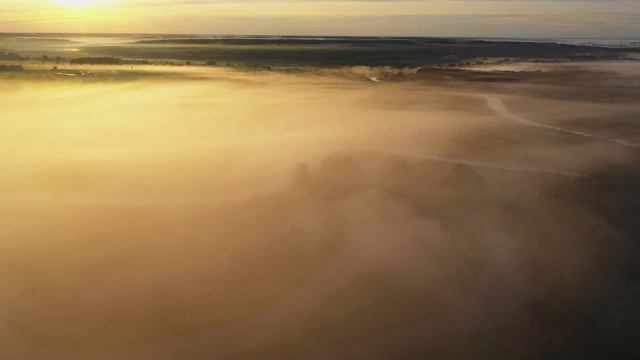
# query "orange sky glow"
(617, 19)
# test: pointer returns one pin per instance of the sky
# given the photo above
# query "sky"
(470, 18)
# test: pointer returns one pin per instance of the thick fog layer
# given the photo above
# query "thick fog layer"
(206, 213)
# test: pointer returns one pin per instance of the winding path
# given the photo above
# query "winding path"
(503, 290)
(498, 107)
(474, 163)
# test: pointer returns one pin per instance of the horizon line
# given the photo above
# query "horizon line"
(321, 36)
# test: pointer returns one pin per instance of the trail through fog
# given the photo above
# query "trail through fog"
(171, 206)
(498, 107)
(475, 163)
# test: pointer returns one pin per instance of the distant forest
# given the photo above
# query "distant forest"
(11, 68)
(12, 56)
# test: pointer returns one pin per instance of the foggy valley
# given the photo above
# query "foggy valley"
(154, 209)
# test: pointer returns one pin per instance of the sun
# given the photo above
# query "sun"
(78, 2)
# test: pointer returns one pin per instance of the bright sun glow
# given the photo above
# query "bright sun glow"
(78, 2)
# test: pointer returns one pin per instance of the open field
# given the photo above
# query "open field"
(310, 208)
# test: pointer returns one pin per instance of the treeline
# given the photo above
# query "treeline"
(46, 58)
(12, 56)
(107, 61)
(11, 68)
(97, 61)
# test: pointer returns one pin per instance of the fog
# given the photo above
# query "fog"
(211, 213)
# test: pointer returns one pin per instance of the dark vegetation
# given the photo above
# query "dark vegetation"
(12, 57)
(97, 61)
(581, 235)
(46, 58)
(107, 60)
(397, 52)
(11, 68)
(594, 315)
(452, 74)
(290, 53)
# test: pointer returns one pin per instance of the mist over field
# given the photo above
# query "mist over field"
(356, 212)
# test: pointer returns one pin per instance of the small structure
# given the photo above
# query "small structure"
(69, 72)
